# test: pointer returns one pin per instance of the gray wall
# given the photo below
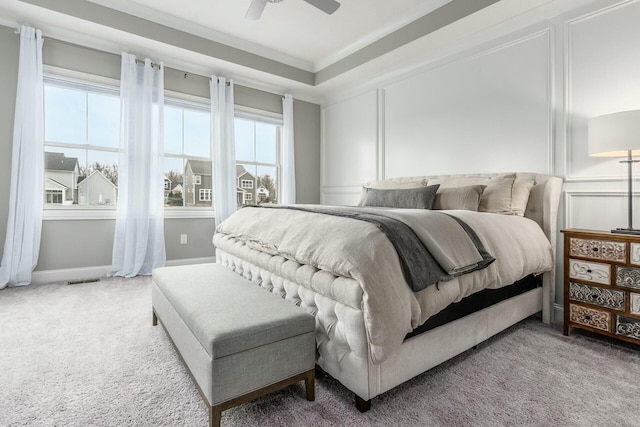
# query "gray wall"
(9, 46)
(87, 243)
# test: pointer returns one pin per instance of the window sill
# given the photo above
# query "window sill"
(77, 213)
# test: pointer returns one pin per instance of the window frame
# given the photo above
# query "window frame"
(64, 212)
(80, 80)
(268, 117)
(183, 100)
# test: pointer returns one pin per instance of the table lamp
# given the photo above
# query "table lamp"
(617, 135)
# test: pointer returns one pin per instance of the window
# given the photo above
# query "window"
(257, 141)
(81, 137)
(53, 196)
(205, 195)
(187, 153)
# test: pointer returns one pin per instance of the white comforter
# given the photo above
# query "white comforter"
(359, 250)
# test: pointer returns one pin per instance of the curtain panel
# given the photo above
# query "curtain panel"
(288, 154)
(223, 148)
(26, 194)
(139, 245)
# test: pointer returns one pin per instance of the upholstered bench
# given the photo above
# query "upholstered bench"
(238, 340)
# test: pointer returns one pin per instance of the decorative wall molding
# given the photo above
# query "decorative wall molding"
(568, 112)
(381, 134)
(570, 196)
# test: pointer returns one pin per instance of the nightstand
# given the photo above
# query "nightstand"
(602, 283)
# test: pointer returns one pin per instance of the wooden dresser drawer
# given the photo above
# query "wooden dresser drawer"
(591, 271)
(598, 249)
(609, 298)
(628, 277)
(634, 254)
(628, 327)
(634, 303)
(591, 317)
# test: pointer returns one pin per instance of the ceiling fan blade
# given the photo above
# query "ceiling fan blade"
(255, 9)
(327, 6)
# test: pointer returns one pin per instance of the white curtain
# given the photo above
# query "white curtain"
(223, 148)
(138, 245)
(288, 157)
(26, 196)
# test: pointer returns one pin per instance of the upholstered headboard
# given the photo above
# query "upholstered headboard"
(542, 207)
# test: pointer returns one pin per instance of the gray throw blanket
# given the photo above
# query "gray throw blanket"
(419, 267)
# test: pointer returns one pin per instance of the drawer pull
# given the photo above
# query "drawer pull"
(589, 270)
(595, 249)
(587, 317)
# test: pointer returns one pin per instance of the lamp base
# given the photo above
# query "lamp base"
(634, 231)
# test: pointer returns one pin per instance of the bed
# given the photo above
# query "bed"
(352, 277)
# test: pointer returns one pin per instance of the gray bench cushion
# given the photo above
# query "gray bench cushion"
(231, 314)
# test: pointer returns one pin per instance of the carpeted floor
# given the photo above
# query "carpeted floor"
(87, 355)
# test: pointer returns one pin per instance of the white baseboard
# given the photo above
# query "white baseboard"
(85, 273)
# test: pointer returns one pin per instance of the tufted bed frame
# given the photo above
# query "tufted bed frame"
(341, 339)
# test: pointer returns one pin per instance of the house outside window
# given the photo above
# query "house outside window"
(187, 153)
(81, 139)
(257, 141)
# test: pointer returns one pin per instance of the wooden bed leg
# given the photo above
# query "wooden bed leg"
(154, 321)
(362, 405)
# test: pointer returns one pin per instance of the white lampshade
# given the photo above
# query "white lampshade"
(613, 135)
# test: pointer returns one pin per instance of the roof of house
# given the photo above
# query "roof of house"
(200, 167)
(59, 162)
(57, 183)
(83, 180)
(240, 170)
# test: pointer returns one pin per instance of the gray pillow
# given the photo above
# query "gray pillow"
(410, 198)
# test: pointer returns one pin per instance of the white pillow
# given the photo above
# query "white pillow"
(465, 198)
(496, 197)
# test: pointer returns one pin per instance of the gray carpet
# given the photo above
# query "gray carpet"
(87, 355)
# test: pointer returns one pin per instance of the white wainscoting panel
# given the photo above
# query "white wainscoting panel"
(598, 210)
(603, 76)
(350, 141)
(488, 112)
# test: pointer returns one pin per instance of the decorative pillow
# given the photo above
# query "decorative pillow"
(520, 195)
(465, 198)
(388, 185)
(496, 198)
(408, 198)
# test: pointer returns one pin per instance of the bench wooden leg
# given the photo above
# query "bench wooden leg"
(215, 416)
(310, 385)
(154, 321)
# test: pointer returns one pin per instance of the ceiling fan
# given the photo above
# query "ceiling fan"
(257, 6)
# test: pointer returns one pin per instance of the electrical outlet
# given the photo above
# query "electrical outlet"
(183, 239)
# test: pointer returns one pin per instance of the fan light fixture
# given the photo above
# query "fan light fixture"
(257, 7)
